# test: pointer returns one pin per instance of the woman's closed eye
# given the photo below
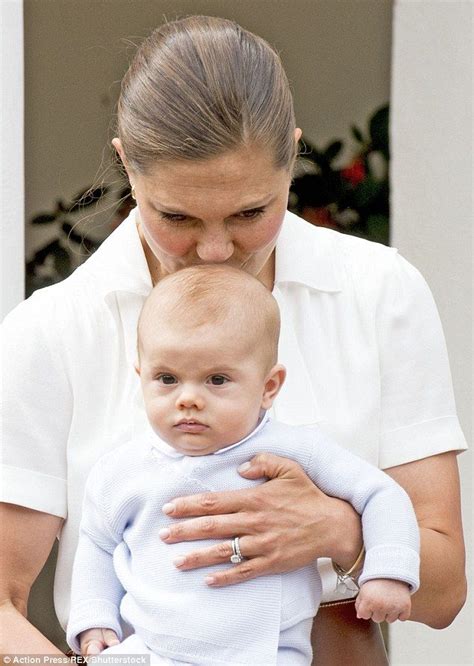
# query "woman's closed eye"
(174, 218)
(179, 219)
(251, 214)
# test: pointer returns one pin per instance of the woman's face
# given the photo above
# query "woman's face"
(228, 209)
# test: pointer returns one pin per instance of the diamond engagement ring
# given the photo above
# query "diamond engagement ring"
(236, 557)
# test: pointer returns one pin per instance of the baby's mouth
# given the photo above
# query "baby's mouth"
(191, 425)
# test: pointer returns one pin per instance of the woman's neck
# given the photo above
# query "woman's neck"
(154, 265)
(267, 274)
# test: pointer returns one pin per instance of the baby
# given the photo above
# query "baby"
(207, 350)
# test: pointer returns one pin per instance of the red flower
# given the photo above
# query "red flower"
(355, 172)
(320, 217)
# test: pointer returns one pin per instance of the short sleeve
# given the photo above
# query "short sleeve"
(418, 412)
(36, 406)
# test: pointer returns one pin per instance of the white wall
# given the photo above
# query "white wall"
(432, 217)
(11, 155)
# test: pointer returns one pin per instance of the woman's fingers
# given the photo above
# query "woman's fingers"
(210, 527)
(218, 554)
(239, 573)
(208, 504)
(283, 524)
(249, 511)
(270, 466)
(264, 465)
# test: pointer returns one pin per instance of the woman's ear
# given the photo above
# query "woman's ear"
(117, 144)
(273, 384)
(298, 134)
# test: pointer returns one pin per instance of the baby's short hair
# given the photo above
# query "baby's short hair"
(210, 294)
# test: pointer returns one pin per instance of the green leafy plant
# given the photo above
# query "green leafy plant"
(355, 198)
(69, 247)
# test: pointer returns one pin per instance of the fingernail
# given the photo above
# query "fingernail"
(244, 467)
(210, 580)
(164, 533)
(168, 508)
(179, 561)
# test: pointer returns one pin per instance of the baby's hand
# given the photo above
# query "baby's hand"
(383, 600)
(93, 641)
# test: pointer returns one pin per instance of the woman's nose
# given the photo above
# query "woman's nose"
(189, 398)
(215, 248)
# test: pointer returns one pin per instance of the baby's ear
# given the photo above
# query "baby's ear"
(273, 384)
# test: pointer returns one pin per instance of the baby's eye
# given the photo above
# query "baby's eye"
(168, 380)
(218, 380)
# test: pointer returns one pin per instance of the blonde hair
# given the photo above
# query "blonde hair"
(201, 86)
(211, 294)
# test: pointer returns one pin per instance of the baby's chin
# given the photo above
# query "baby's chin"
(195, 444)
(199, 443)
(199, 439)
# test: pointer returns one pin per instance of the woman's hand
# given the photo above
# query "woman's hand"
(283, 524)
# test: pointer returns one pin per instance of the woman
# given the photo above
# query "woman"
(207, 135)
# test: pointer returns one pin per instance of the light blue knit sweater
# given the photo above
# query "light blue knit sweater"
(123, 570)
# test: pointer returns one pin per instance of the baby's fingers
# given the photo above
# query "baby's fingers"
(381, 612)
(93, 641)
(404, 614)
(363, 609)
(110, 637)
(91, 647)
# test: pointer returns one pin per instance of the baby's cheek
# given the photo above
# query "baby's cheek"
(155, 410)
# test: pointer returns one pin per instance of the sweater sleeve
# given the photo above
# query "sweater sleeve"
(96, 591)
(389, 525)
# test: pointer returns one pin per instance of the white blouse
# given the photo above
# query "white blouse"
(361, 340)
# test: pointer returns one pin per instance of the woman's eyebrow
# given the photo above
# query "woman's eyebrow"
(263, 201)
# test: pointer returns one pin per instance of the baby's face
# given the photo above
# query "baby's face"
(204, 387)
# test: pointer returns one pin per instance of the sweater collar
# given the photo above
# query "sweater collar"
(169, 451)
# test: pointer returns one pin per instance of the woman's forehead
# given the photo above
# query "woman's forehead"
(234, 180)
(229, 169)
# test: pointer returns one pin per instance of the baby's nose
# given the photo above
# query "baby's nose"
(190, 398)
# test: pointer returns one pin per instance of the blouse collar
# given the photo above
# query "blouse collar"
(305, 255)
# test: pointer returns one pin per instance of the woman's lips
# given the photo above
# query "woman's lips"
(191, 426)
